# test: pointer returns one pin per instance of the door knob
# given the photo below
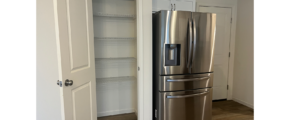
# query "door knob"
(68, 82)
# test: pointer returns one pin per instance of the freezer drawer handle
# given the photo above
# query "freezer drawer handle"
(184, 80)
(185, 96)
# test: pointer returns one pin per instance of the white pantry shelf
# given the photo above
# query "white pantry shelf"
(118, 78)
(119, 59)
(116, 0)
(99, 14)
(122, 62)
(115, 38)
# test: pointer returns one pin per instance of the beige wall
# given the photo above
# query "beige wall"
(243, 86)
(47, 92)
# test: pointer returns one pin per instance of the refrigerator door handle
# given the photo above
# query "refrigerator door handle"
(185, 96)
(190, 43)
(194, 40)
(184, 80)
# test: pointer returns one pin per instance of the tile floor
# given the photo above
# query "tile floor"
(222, 110)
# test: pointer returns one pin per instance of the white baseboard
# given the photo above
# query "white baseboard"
(243, 103)
(115, 112)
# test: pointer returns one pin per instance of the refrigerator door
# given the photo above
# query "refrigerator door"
(185, 105)
(204, 26)
(172, 40)
(185, 82)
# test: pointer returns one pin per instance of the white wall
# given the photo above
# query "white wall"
(47, 91)
(243, 88)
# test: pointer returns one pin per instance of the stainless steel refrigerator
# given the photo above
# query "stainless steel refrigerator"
(183, 56)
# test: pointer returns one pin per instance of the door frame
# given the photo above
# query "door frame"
(144, 61)
(232, 41)
(140, 98)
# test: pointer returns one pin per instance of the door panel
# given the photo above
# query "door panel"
(222, 46)
(185, 82)
(78, 39)
(81, 97)
(185, 105)
(184, 5)
(74, 27)
(170, 35)
(204, 25)
(158, 5)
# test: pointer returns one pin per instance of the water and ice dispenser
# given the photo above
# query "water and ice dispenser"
(172, 54)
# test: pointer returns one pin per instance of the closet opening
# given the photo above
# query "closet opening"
(115, 44)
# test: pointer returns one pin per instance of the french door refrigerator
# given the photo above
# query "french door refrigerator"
(183, 49)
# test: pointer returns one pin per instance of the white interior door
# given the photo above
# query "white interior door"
(222, 47)
(75, 43)
(161, 5)
(184, 5)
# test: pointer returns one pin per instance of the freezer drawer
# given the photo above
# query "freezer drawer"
(185, 82)
(185, 105)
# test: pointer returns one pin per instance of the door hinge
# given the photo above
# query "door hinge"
(229, 54)
(138, 68)
(231, 20)
(155, 113)
(227, 87)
